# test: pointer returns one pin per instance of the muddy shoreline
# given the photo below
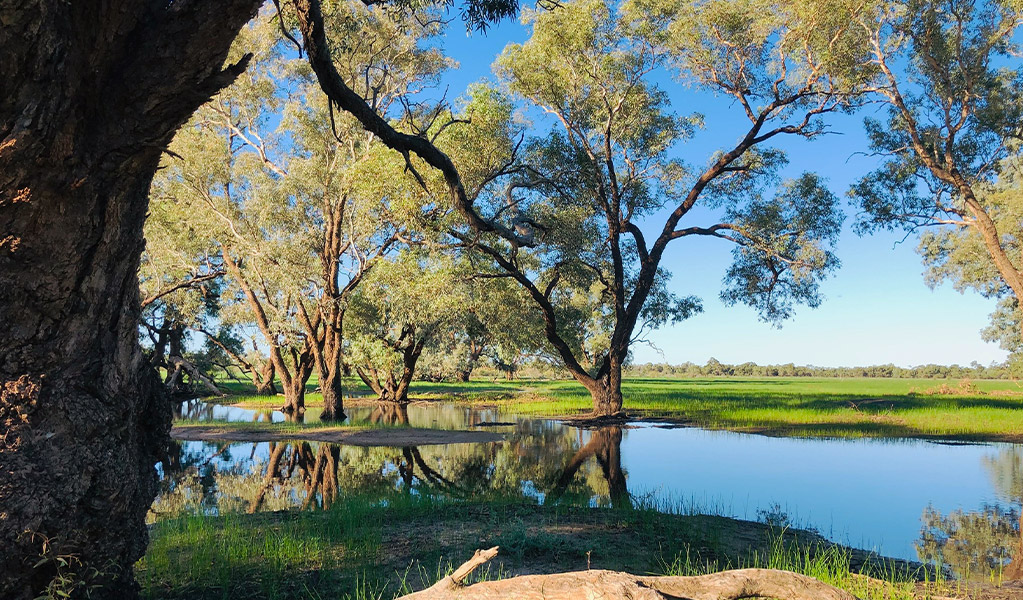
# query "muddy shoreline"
(390, 437)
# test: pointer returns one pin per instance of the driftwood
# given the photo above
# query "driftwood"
(612, 585)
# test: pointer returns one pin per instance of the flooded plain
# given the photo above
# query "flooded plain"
(908, 499)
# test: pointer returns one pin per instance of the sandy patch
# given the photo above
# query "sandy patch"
(394, 437)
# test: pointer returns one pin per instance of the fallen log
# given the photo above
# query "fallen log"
(612, 585)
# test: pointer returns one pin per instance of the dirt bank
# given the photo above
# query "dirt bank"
(392, 437)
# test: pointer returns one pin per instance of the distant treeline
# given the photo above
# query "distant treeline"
(749, 369)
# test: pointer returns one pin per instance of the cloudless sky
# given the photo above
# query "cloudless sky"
(877, 308)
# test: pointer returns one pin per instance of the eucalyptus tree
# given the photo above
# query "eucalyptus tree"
(496, 319)
(180, 279)
(959, 254)
(361, 205)
(579, 202)
(608, 170)
(300, 204)
(226, 180)
(405, 304)
(949, 76)
(92, 97)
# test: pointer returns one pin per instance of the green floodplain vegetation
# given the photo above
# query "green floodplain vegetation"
(966, 410)
(373, 547)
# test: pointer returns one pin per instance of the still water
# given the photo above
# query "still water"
(896, 497)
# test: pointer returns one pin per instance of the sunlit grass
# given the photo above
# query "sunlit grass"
(879, 579)
(794, 406)
(813, 407)
(349, 551)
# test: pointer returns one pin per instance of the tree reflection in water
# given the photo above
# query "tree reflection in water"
(605, 446)
(983, 543)
(538, 460)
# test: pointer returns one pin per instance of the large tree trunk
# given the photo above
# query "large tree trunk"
(332, 387)
(392, 387)
(605, 390)
(92, 93)
(294, 395)
(264, 380)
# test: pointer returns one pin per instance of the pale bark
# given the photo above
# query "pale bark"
(612, 585)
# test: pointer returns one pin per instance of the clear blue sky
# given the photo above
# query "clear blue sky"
(877, 308)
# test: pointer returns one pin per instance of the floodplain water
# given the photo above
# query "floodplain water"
(903, 498)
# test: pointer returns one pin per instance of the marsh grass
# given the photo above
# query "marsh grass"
(785, 406)
(374, 548)
(805, 407)
(878, 579)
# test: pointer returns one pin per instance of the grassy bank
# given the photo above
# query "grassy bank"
(363, 548)
(817, 407)
(979, 411)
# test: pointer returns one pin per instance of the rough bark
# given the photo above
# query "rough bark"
(294, 387)
(324, 333)
(605, 387)
(611, 585)
(92, 93)
(390, 386)
(606, 393)
(333, 396)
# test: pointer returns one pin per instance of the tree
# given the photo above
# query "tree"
(92, 96)
(180, 281)
(988, 542)
(298, 204)
(947, 78)
(497, 321)
(227, 182)
(588, 189)
(364, 207)
(404, 305)
(613, 118)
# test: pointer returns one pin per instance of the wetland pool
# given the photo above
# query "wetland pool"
(903, 498)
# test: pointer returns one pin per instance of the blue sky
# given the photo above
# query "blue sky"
(877, 308)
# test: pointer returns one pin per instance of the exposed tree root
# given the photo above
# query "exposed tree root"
(611, 585)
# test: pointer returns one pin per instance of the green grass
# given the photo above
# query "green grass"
(368, 547)
(876, 579)
(811, 407)
(795, 406)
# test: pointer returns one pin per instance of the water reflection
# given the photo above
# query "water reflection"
(605, 446)
(866, 493)
(986, 542)
(537, 461)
